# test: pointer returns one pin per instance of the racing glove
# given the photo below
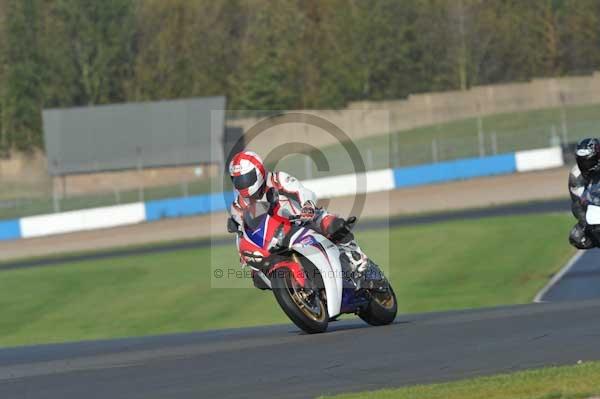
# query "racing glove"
(307, 214)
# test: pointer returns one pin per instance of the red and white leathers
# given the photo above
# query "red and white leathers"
(293, 196)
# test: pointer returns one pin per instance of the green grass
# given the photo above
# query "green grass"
(570, 382)
(458, 139)
(442, 266)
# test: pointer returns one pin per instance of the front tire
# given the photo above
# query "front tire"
(306, 308)
(382, 308)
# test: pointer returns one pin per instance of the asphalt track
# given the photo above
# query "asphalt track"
(559, 205)
(579, 280)
(280, 362)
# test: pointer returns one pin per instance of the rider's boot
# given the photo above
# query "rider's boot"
(362, 270)
(354, 261)
(356, 258)
(355, 264)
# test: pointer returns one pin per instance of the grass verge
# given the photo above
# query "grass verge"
(502, 133)
(570, 382)
(451, 265)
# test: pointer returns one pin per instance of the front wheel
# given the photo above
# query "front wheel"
(305, 307)
(382, 308)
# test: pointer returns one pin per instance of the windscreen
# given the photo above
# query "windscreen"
(255, 213)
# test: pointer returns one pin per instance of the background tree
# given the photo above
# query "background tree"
(385, 39)
(3, 80)
(579, 29)
(91, 49)
(271, 60)
(23, 96)
(283, 54)
(185, 48)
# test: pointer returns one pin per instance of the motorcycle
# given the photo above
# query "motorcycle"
(591, 201)
(303, 270)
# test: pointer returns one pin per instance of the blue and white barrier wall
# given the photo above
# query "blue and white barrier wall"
(545, 158)
(86, 219)
(336, 186)
(188, 206)
(460, 169)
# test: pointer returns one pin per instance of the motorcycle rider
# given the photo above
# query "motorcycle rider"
(252, 181)
(587, 155)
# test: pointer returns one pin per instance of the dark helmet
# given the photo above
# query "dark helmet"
(587, 155)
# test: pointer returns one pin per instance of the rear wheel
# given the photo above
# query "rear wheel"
(382, 308)
(306, 307)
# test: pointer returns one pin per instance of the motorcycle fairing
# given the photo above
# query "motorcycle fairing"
(592, 215)
(326, 257)
(257, 236)
(298, 273)
(351, 301)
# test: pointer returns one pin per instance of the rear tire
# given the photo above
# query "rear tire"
(382, 308)
(289, 296)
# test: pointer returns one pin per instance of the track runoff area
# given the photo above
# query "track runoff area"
(278, 362)
(418, 348)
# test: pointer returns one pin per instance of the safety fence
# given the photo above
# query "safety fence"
(341, 185)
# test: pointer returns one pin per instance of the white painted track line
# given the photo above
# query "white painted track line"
(540, 295)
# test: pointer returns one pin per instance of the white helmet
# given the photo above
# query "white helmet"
(247, 174)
